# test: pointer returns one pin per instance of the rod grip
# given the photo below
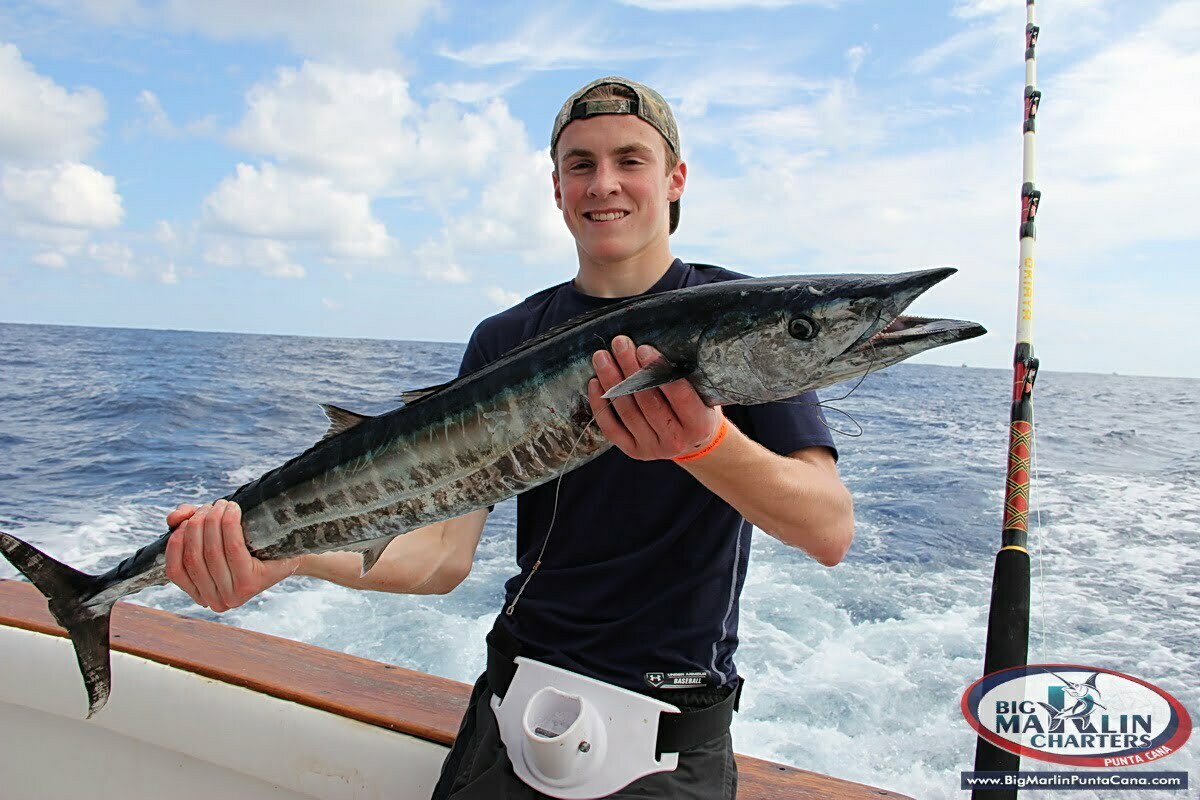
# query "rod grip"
(1007, 646)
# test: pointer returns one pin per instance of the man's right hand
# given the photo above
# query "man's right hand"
(207, 557)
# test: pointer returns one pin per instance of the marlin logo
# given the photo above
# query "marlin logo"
(1141, 723)
(1080, 710)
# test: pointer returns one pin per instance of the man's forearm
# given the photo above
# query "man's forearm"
(414, 563)
(800, 503)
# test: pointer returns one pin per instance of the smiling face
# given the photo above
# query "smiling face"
(613, 186)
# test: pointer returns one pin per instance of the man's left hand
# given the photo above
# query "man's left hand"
(665, 422)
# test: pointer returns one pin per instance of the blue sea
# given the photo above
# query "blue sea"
(855, 671)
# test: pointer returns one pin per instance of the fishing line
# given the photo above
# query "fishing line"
(822, 404)
(512, 607)
(819, 404)
(1035, 492)
(553, 516)
(853, 389)
(554, 512)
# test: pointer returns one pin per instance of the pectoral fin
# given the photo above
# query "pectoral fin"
(371, 554)
(657, 374)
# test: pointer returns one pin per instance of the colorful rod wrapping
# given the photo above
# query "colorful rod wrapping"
(1008, 616)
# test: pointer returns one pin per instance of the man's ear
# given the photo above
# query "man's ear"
(677, 181)
(557, 189)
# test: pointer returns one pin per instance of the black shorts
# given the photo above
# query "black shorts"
(478, 768)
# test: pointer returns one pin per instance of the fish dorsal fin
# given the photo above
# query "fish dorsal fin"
(413, 395)
(576, 321)
(417, 395)
(340, 420)
(658, 373)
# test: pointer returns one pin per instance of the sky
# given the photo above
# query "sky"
(380, 168)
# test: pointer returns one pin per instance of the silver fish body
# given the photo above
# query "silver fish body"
(523, 421)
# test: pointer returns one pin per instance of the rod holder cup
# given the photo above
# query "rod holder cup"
(563, 736)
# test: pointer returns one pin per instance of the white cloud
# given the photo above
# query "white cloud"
(70, 194)
(787, 120)
(47, 196)
(966, 42)
(558, 40)
(361, 134)
(341, 123)
(363, 130)
(736, 85)
(835, 120)
(114, 258)
(332, 305)
(516, 213)
(864, 212)
(164, 233)
(473, 92)
(271, 203)
(50, 259)
(722, 5)
(155, 117)
(970, 9)
(169, 275)
(110, 12)
(992, 44)
(1114, 146)
(1117, 142)
(350, 31)
(503, 297)
(855, 57)
(436, 261)
(41, 120)
(67, 240)
(268, 256)
(156, 120)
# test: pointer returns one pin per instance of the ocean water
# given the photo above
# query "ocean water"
(855, 671)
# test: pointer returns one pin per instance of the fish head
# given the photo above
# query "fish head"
(779, 337)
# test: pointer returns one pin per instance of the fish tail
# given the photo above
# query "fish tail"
(67, 590)
(1055, 713)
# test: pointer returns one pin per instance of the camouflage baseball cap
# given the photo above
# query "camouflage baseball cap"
(643, 102)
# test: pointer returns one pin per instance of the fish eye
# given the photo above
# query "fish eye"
(802, 328)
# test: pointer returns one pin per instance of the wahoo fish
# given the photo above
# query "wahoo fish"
(522, 421)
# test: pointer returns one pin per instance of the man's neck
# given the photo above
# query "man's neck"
(623, 278)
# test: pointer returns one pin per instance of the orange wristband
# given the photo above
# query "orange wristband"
(718, 437)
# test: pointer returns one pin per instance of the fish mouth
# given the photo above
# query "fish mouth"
(905, 330)
(893, 332)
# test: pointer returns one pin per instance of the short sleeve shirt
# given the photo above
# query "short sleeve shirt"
(642, 575)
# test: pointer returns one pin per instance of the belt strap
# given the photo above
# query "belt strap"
(501, 650)
(676, 732)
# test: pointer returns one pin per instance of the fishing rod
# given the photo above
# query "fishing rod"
(1008, 616)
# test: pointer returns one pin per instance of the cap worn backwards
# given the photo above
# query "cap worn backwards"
(644, 102)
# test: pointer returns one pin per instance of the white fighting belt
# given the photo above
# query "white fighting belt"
(574, 737)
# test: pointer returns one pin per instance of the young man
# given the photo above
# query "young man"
(639, 586)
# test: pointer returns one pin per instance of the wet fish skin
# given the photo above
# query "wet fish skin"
(523, 421)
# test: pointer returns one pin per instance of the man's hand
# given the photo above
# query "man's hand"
(207, 557)
(660, 423)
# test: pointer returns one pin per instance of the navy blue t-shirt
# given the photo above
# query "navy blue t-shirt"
(645, 565)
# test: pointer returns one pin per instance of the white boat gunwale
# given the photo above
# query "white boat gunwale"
(418, 705)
